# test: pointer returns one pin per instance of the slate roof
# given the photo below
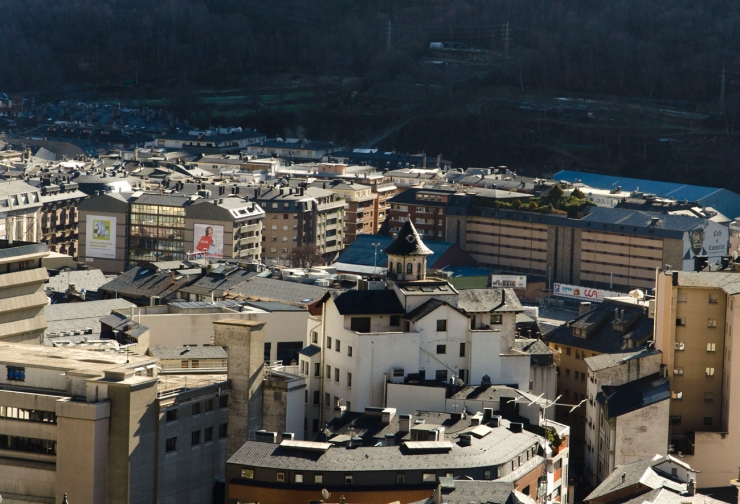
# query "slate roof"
(728, 282)
(532, 346)
(310, 350)
(605, 361)
(603, 338)
(218, 281)
(407, 243)
(269, 289)
(634, 395)
(424, 309)
(640, 471)
(142, 283)
(189, 352)
(481, 492)
(487, 393)
(122, 323)
(78, 316)
(488, 300)
(368, 302)
(496, 448)
(273, 306)
(88, 280)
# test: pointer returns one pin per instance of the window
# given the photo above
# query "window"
(496, 319)
(195, 438)
(348, 479)
(576, 374)
(281, 477)
(462, 349)
(349, 379)
(583, 376)
(268, 348)
(196, 408)
(567, 372)
(409, 268)
(578, 354)
(360, 324)
(223, 430)
(461, 374)
(567, 351)
(316, 397)
(681, 322)
(318, 479)
(441, 375)
(429, 477)
(337, 345)
(675, 419)
(395, 320)
(328, 372)
(349, 351)
(328, 342)
(247, 473)
(172, 415)
(400, 478)
(681, 297)
(298, 478)
(441, 349)
(317, 369)
(441, 325)
(708, 397)
(315, 425)
(336, 375)
(707, 421)
(711, 323)
(16, 373)
(314, 337)
(679, 346)
(710, 371)
(711, 347)
(208, 434)
(209, 404)
(327, 400)
(223, 401)
(171, 444)
(712, 299)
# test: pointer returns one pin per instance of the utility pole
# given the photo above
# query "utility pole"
(722, 94)
(388, 42)
(507, 40)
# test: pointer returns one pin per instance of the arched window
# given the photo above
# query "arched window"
(409, 268)
(418, 268)
(399, 268)
(390, 268)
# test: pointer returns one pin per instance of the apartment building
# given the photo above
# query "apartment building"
(360, 211)
(295, 216)
(103, 427)
(627, 410)
(608, 328)
(425, 207)
(603, 248)
(696, 328)
(121, 230)
(59, 227)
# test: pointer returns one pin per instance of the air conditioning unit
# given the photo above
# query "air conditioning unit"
(651, 309)
(397, 375)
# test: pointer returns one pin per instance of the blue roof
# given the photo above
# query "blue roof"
(722, 200)
(361, 251)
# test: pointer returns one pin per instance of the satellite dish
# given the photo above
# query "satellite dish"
(325, 493)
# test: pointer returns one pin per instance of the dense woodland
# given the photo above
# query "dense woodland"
(651, 48)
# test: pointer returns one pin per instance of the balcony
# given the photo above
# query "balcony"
(250, 228)
(250, 239)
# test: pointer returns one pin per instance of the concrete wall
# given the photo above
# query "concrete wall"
(27, 482)
(641, 434)
(407, 399)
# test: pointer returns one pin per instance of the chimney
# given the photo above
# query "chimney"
(516, 426)
(496, 421)
(387, 415)
(624, 477)
(456, 416)
(584, 307)
(404, 423)
(390, 439)
(691, 487)
(465, 439)
(339, 411)
(487, 414)
(675, 278)
(424, 160)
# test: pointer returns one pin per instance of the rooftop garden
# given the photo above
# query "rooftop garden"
(554, 201)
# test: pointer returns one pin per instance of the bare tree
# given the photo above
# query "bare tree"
(305, 256)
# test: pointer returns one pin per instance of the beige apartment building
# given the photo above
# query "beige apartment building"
(22, 297)
(102, 427)
(696, 328)
(360, 215)
(295, 216)
(608, 248)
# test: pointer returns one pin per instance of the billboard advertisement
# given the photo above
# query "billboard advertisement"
(585, 293)
(208, 240)
(509, 281)
(706, 239)
(100, 240)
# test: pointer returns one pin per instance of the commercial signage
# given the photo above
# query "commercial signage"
(209, 240)
(585, 293)
(100, 240)
(509, 281)
(706, 239)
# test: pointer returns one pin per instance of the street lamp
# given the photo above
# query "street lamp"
(375, 267)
